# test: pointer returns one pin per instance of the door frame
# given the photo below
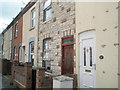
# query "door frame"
(94, 35)
(62, 50)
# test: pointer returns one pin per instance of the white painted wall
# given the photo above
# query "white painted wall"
(100, 16)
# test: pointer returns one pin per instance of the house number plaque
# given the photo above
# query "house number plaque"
(101, 57)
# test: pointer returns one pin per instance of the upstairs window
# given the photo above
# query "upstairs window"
(11, 35)
(16, 30)
(33, 18)
(47, 12)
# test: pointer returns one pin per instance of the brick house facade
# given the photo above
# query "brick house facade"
(52, 29)
(17, 38)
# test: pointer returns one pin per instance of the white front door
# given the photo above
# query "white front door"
(87, 60)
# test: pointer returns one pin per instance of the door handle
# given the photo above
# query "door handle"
(94, 65)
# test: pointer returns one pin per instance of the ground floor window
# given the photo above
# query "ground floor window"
(31, 48)
(20, 54)
(46, 53)
(15, 53)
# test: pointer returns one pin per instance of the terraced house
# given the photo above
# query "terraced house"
(7, 41)
(65, 38)
(97, 44)
(56, 42)
(17, 37)
(30, 32)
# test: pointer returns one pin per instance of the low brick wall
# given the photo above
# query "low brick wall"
(5, 66)
(46, 81)
(22, 75)
(43, 81)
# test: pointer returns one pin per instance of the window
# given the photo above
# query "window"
(68, 40)
(46, 54)
(20, 54)
(84, 56)
(33, 18)
(16, 30)
(31, 57)
(15, 52)
(91, 56)
(10, 53)
(47, 10)
(11, 35)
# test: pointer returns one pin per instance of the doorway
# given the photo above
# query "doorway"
(87, 60)
(67, 55)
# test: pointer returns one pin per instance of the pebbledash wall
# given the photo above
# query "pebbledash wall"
(61, 24)
(103, 18)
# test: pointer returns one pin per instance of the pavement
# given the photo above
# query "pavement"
(5, 83)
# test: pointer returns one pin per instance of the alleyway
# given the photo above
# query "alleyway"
(4, 83)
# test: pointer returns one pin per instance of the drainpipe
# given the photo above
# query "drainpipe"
(38, 30)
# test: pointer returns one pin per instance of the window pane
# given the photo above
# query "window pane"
(90, 56)
(14, 57)
(16, 30)
(84, 56)
(47, 3)
(48, 13)
(68, 40)
(32, 47)
(11, 35)
(46, 53)
(47, 65)
(33, 13)
(33, 18)
(32, 23)
(31, 57)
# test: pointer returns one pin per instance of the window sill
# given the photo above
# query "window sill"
(45, 22)
(47, 59)
(48, 72)
(32, 28)
(15, 37)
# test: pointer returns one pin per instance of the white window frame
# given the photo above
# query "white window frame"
(47, 53)
(47, 8)
(31, 53)
(33, 15)
(11, 35)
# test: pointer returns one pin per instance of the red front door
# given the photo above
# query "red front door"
(67, 60)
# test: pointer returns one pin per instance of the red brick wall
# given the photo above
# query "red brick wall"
(22, 74)
(17, 41)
